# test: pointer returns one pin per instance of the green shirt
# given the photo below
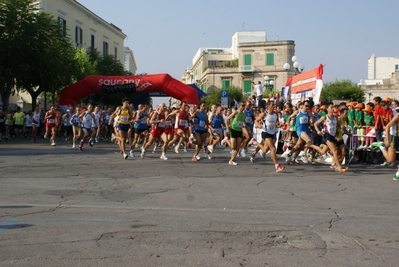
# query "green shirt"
(368, 119)
(238, 122)
(351, 117)
(359, 117)
(19, 118)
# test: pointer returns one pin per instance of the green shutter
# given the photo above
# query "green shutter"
(247, 59)
(225, 84)
(269, 59)
(247, 86)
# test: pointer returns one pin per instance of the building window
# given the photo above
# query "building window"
(247, 86)
(63, 26)
(269, 59)
(247, 59)
(225, 84)
(396, 67)
(116, 53)
(105, 48)
(212, 63)
(92, 40)
(78, 36)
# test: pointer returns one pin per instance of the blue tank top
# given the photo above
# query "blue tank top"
(302, 122)
(249, 114)
(75, 120)
(316, 117)
(143, 121)
(200, 122)
(217, 121)
(106, 118)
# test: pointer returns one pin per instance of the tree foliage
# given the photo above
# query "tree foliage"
(214, 96)
(344, 90)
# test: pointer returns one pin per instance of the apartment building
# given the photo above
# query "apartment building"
(85, 28)
(250, 58)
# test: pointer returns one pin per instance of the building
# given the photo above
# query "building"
(129, 61)
(382, 78)
(85, 29)
(250, 58)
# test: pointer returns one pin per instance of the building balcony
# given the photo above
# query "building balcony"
(246, 68)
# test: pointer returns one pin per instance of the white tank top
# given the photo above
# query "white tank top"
(330, 125)
(269, 123)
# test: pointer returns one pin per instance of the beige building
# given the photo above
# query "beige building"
(85, 29)
(250, 58)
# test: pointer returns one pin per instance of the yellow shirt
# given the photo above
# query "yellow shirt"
(19, 118)
(124, 117)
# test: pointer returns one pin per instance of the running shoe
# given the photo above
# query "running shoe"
(185, 149)
(163, 157)
(333, 166)
(142, 155)
(208, 156)
(125, 156)
(131, 153)
(53, 144)
(242, 153)
(294, 162)
(396, 177)
(223, 142)
(287, 157)
(263, 155)
(96, 139)
(232, 162)
(279, 168)
(342, 169)
(252, 158)
(377, 144)
(198, 157)
(210, 148)
(177, 149)
(113, 137)
(194, 158)
(305, 159)
(73, 146)
(154, 150)
(91, 143)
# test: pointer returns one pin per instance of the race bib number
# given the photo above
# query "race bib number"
(124, 119)
(51, 120)
(240, 124)
(248, 120)
(303, 120)
(202, 124)
(17, 120)
(183, 123)
(161, 124)
(271, 128)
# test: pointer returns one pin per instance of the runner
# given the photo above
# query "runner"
(140, 127)
(36, 118)
(200, 129)
(181, 129)
(247, 131)
(236, 121)
(87, 122)
(123, 115)
(76, 123)
(268, 123)
(216, 124)
(51, 127)
(331, 124)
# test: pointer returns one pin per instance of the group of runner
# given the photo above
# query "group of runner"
(307, 130)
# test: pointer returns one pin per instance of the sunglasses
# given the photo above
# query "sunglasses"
(307, 106)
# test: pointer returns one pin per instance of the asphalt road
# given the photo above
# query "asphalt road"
(60, 207)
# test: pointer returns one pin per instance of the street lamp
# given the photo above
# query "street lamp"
(298, 67)
(269, 83)
(370, 94)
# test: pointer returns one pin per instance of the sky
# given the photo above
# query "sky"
(341, 34)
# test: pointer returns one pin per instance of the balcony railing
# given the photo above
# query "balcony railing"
(246, 68)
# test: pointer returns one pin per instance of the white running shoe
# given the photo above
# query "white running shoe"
(177, 149)
(223, 142)
(53, 144)
(304, 159)
(231, 162)
(242, 153)
(163, 157)
(210, 148)
(208, 156)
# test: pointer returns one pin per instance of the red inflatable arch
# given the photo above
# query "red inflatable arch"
(129, 84)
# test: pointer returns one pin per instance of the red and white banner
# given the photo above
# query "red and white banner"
(306, 84)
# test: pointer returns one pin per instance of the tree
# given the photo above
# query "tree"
(214, 96)
(344, 90)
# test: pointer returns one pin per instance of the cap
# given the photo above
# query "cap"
(323, 107)
(359, 105)
(286, 110)
(68, 110)
(335, 110)
(351, 104)
(368, 109)
(387, 99)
